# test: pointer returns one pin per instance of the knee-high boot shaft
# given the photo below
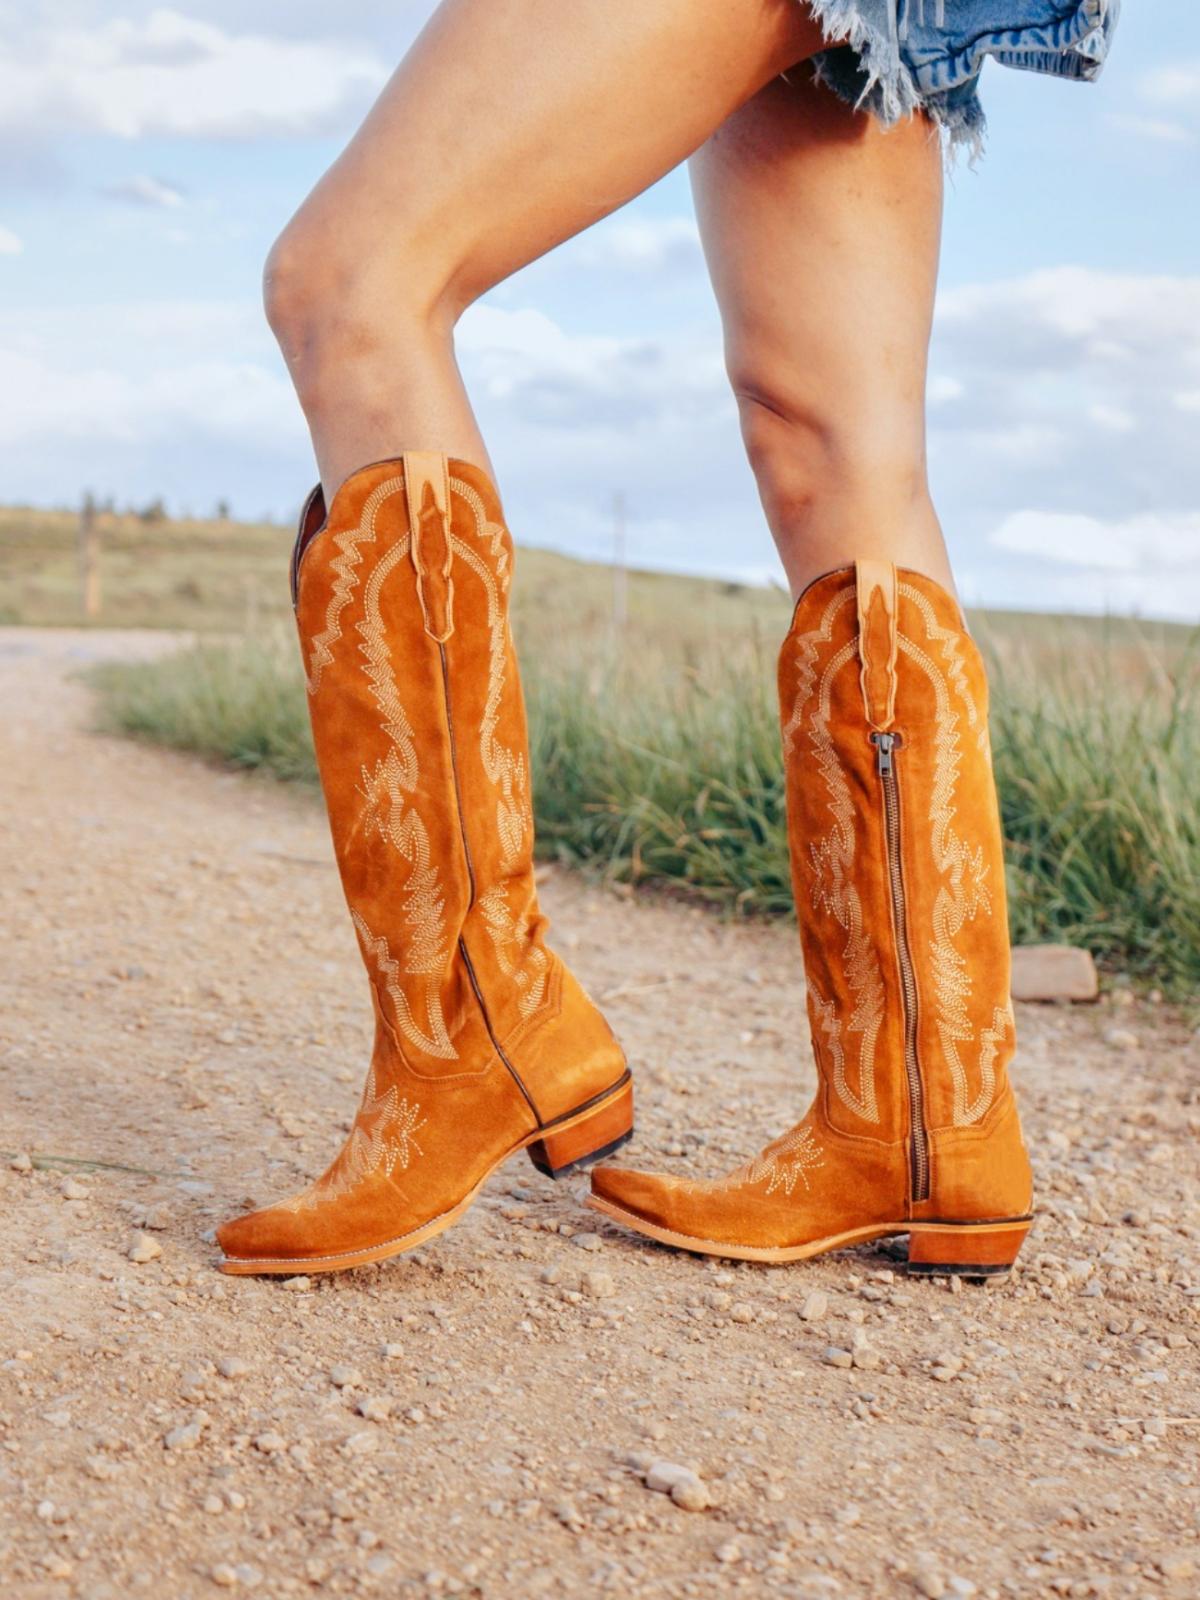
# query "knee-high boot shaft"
(898, 873)
(419, 728)
(485, 1043)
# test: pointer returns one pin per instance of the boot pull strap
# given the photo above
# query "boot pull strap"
(427, 492)
(878, 640)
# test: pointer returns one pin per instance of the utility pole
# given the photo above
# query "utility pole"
(620, 575)
(89, 558)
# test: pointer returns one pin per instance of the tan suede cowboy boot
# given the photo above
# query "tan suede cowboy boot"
(484, 1042)
(898, 873)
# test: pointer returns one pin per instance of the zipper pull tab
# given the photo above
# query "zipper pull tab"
(884, 745)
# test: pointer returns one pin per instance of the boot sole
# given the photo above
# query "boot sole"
(595, 1129)
(942, 1249)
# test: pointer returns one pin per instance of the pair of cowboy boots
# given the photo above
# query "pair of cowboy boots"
(485, 1044)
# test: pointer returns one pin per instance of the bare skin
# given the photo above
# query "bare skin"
(507, 130)
(822, 233)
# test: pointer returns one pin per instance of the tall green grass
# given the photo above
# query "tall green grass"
(660, 763)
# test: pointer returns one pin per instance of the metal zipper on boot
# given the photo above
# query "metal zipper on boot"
(886, 748)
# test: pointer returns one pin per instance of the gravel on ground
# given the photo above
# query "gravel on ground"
(536, 1403)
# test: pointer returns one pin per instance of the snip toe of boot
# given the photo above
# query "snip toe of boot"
(642, 1194)
(261, 1236)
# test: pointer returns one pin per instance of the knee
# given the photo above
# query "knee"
(864, 452)
(335, 293)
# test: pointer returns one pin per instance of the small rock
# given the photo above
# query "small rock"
(741, 1312)
(587, 1241)
(691, 1495)
(185, 1438)
(551, 1274)
(1156, 1427)
(414, 1415)
(143, 1248)
(299, 1285)
(376, 1408)
(224, 1576)
(1053, 972)
(961, 1586)
(1177, 1564)
(392, 1351)
(233, 1367)
(70, 1189)
(662, 1476)
(727, 1554)
(931, 1584)
(815, 1307)
(344, 1377)
(213, 1504)
(360, 1444)
(834, 1357)
(1122, 1039)
(270, 1444)
(249, 1577)
(21, 1162)
(867, 1360)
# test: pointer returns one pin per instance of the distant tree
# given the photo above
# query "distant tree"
(155, 511)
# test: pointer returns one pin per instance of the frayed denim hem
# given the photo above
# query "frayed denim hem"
(886, 59)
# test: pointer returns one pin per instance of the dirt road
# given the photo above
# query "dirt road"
(180, 992)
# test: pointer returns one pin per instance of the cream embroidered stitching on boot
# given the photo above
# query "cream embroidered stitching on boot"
(962, 895)
(394, 776)
(384, 1135)
(437, 1043)
(783, 1164)
(347, 542)
(519, 959)
(834, 891)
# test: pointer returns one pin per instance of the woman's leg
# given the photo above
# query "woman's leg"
(507, 129)
(822, 237)
(821, 233)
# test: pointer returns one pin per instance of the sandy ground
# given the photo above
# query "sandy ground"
(181, 994)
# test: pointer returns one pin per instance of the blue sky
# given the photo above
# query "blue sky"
(148, 155)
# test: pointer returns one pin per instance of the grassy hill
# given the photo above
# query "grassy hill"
(655, 747)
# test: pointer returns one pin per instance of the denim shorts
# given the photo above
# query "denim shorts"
(892, 57)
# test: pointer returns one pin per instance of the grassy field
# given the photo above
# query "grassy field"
(656, 749)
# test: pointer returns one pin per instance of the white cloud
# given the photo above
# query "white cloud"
(146, 191)
(10, 243)
(1076, 386)
(1153, 542)
(564, 381)
(1178, 84)
(641, 245)
(173, 75)
(1151, 128)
